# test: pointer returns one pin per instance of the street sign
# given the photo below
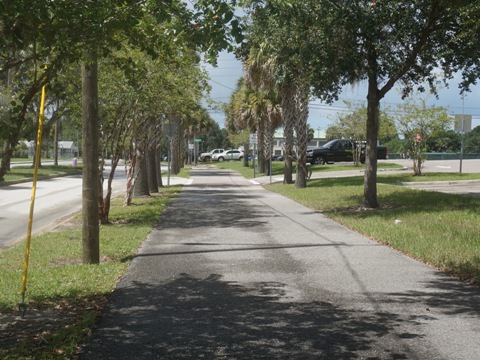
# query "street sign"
(253, 138)
(168, 130)
(198, 140)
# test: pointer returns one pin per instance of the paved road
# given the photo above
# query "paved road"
(55, 199)
(233, 271)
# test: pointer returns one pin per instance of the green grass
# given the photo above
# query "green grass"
(437, 228)
(278, 167)
(428, 176)
(26, 172)
(57, 279)
(184, 172)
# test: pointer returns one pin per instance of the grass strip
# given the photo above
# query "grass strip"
(437, 228)
(278, 167)
(60, 288)
(26, 172)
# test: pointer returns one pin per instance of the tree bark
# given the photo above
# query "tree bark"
(152, 170)
(158, 166)
(176, 147)
(301, 105)
(140, 187)
(373, 120)
(131, 177)
(261, 145)
(288, 124)
(55, 140)
(91, 228)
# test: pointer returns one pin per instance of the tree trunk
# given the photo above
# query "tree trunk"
(105, 210)
(373, 119)
(91, 228)
(158, 166)
(288, 124)
(140, 187)
(55, 140)
(16, 125)
(246, 152)
(102, 216)
(176, 148)
(301, 105)
(7, 145)
(416, 156)
(151, 170)
(261, 145)
(130, 177)
(270, 138)
(7, 155)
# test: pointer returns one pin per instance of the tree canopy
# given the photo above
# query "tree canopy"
(379, 43)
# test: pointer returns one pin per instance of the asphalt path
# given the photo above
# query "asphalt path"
(233, 271)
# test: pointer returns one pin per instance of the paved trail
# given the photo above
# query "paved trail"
(233, 271)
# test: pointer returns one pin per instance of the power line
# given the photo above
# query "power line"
(225, 86)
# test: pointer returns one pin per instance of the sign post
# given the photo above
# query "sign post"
(168, 130)
(197, 142)
(253, 141)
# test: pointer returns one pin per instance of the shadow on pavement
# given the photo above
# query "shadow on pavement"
(448, 296)
(191, 318)
(220, 208)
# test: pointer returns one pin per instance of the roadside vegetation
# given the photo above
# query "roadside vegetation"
(278, 167)
(64, 297)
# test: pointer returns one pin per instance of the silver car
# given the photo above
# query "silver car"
(228, 155)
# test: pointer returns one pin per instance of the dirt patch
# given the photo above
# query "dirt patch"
(360, 209)
(70, 222)
(41, 322)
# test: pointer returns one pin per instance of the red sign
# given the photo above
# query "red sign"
(419, 137)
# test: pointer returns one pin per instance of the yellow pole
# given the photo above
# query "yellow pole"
(32, 199)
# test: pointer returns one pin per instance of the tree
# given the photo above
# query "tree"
(419, 123)
(70, 31)
(90, 188)
(444, 141)
(385, 43)
(253, 108)
(472, 141)
(381, 43)
(351, 125)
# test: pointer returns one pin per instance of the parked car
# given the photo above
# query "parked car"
(206, 156)
(340, 150)
(278, 157)
(228, 155)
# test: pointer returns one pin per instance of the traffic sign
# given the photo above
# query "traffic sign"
(198, 140)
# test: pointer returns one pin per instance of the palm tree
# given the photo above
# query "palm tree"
(259, 74)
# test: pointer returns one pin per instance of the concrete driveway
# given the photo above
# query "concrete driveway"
(233, 271)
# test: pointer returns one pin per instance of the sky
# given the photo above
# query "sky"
(224, 76)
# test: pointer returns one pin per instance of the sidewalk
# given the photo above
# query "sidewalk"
(233, 271)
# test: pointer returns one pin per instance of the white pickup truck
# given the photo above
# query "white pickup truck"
(207, 156)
